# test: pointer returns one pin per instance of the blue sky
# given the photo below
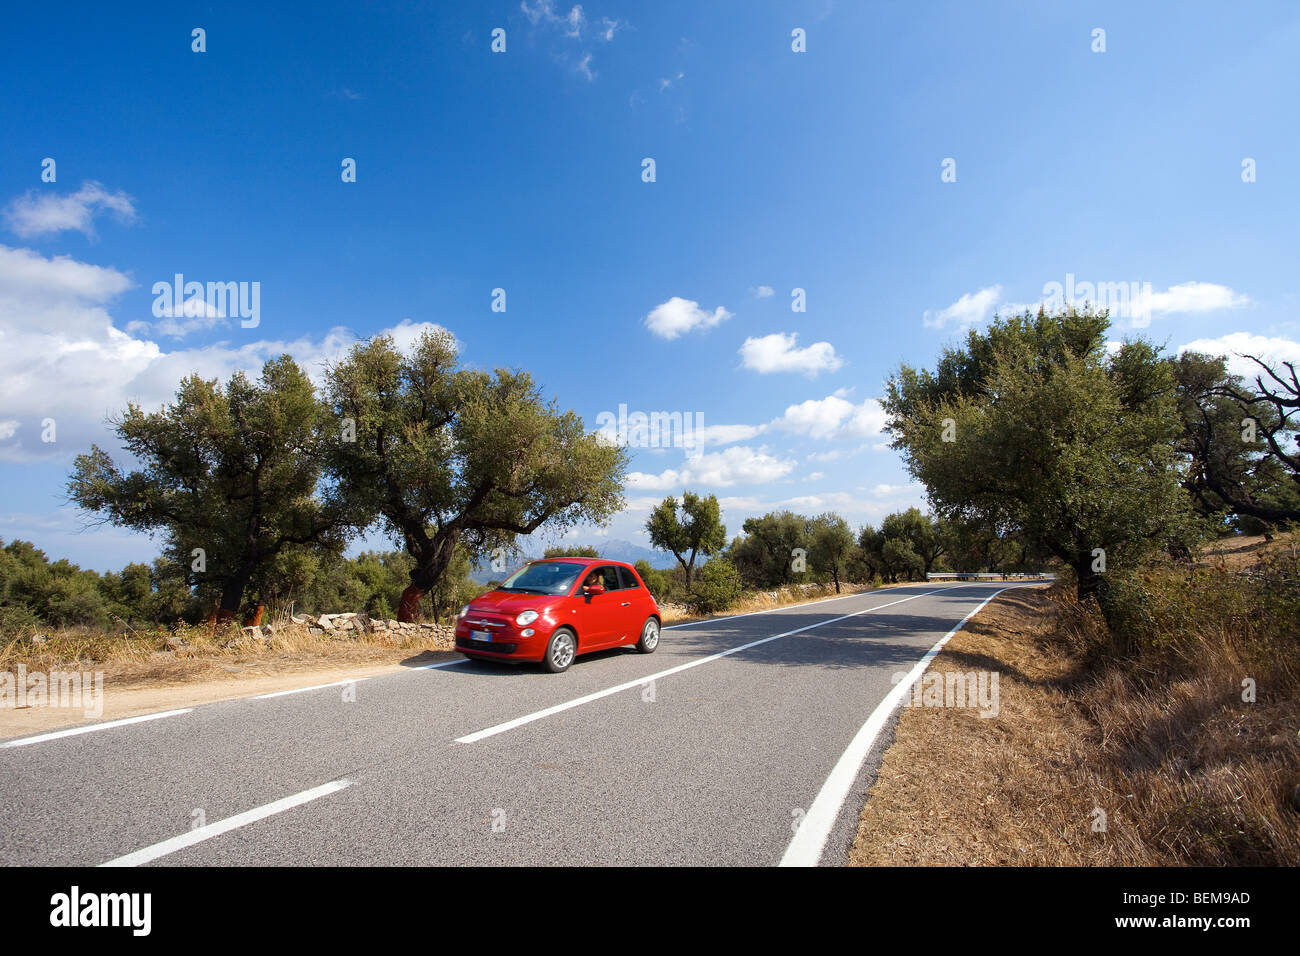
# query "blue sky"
(522, 170)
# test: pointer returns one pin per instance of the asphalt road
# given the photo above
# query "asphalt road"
(717, 762)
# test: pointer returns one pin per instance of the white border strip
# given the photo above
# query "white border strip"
(74, 731)
(200, 834)
(440, 664)
(642, 681)
(806, 847)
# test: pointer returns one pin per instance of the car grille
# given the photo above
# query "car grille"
(495, 647)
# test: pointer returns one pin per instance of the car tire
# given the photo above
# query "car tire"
(560, 650)
(649, 636)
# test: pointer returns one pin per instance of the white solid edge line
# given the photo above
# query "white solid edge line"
(434, 667)
(74, 731)
(806, 847)
(303, 690)
(200, 834)
(642, 681)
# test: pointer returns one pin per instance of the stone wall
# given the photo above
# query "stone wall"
(355, 624)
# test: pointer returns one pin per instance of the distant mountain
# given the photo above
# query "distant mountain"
(613, 549)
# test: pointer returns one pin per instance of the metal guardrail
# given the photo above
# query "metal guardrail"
(1008, 575)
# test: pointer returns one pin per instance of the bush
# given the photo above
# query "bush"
(17, 620)
(665, 586)
(1167, 613)
(716, 587)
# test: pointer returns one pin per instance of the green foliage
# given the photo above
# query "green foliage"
(908, 545)
(1227, 464)
(447, 457)
(926, 539)
(1170, 610)
(1070, 445)
(574, 551)
(831, 547)
(978, 545)
(694, 529)
(233, 470)
(36, 593)
(58, 594)
(716, 587)
(766, 555)
(665, 585)
(900, 559)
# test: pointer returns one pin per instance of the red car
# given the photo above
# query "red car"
(555, 609)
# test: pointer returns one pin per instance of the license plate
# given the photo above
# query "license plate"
(481, 635)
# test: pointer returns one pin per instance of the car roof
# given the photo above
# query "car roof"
(583, 560)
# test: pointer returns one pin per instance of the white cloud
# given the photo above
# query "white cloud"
(727, 434)
(571, 26)
(41, 281)
(63, 357)
(763, 292)
(833, 417)
(39, 213)
(1132, 302)
(1191, 297)
(195, 315)
(885, 490)
(833, 455)
(1237, 345)
(737, 465)
(777, 353)
(971, 309)
(678, 316)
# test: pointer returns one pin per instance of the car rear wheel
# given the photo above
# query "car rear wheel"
(561, 650)
(649, 636)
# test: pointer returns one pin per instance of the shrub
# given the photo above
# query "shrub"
(18, 621)
(716, 587)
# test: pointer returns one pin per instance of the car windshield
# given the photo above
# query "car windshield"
(548, 577)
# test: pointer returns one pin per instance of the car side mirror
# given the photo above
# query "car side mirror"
(596, 589)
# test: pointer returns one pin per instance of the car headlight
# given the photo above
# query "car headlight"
(463, 611)
(526, 617)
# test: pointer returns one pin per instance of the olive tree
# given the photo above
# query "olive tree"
(447, 457)
(1037, 423)
(693, 529)
(230, 475)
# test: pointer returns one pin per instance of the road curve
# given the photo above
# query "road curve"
(709, 752)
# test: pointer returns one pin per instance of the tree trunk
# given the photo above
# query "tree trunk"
(430, 568)
(408, 609)
(1093, 584)
(232, 595)
(835, 573)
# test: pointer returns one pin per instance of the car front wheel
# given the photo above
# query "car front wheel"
(649, 636)
(561, 650)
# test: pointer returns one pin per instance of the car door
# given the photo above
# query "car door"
(601, 613)
(631, 605)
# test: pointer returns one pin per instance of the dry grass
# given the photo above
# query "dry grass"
(1162, 742)
(198, 653)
